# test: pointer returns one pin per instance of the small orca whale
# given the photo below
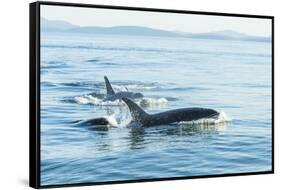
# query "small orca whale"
(96, 124)
(143, 119)
(95, 121)
(112, 96)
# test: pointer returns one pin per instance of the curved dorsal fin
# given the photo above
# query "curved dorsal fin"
(109, 89)
(137, 113)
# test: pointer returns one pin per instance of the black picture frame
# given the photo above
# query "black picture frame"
(34, 91)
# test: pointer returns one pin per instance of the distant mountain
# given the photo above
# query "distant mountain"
(125, 30)
(62, 26)
(55, 25)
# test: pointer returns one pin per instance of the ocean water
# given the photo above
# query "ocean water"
(233, 77)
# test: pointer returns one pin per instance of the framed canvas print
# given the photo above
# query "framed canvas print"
(125, 94)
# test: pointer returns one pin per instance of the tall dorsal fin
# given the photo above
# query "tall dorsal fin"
(137, 113)
(109, 89)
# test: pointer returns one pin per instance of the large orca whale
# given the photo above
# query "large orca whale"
(112, 96)
(143, 119)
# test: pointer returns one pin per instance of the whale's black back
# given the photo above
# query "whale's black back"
(167, 117)
(178, 115)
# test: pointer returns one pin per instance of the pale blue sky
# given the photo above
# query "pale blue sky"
(168, 21)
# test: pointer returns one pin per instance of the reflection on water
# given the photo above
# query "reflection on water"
(138, 135)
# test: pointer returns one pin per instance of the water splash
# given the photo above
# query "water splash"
(92, 99)
(119, 120)
(112, 120)
(152, 102)
(133, 86)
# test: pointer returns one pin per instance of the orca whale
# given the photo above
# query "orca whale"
(112, 96)
(143, 119)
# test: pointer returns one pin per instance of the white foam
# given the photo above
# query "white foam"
(152, 102)
(127, 87)
(89, 99)
(112, 120)
(86, 99)
(143, 102)
(119, 120)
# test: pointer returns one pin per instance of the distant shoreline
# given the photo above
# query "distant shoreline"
(65, 27)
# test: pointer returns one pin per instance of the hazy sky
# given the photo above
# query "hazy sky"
(168, 21)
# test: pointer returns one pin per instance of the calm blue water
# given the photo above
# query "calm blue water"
(233, 77)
